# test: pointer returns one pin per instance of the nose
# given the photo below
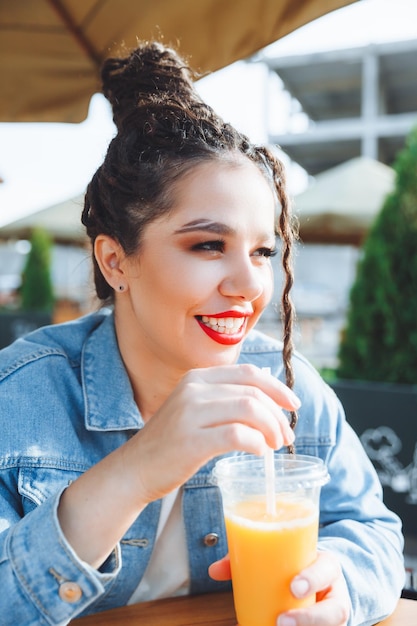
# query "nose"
(245, 280)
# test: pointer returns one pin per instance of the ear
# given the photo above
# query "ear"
(109, 255)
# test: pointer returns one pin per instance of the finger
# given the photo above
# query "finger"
(235, 436)
(248, 374)
(327, 613)
(318, 577)
(220, 570)
(324, 578)
(249, 406)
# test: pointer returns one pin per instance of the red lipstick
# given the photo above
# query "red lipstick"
(226, 339)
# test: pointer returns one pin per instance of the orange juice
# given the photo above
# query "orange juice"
(266, 552)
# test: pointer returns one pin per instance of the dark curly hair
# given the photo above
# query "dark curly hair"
(164, 129)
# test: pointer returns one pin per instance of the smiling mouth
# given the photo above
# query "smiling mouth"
(223, 325)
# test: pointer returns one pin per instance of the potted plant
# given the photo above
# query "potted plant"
(377, 372)
(36, 298)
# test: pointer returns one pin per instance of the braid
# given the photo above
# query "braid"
(288, 313)
(288, 234)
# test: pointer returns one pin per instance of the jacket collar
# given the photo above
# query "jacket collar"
(108, 394)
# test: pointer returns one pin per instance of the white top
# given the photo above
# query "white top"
(167, 574)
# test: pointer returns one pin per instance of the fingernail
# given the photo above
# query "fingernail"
(291, 435)
(300, 587)
(286, 620)
(295, 400)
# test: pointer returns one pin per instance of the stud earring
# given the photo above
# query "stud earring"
(121, 288)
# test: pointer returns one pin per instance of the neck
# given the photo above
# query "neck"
(151, 378)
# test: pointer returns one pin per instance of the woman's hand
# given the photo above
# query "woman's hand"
(212, 411)
(324, 578)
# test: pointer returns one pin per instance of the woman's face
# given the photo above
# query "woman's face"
(203, 274)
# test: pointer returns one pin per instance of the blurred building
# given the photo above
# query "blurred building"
(352, 102)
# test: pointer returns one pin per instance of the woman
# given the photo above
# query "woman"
(111, 424)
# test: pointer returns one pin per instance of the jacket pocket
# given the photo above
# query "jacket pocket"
(37, 484)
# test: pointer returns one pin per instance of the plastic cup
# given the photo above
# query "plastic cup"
(266, 551)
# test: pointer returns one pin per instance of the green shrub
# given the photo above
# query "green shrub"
(36, 290)
(380, 339)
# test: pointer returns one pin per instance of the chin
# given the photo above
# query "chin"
(227, 356)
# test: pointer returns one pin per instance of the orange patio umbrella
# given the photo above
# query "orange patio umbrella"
(51, 50)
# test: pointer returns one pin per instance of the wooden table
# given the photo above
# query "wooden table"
(205, 610)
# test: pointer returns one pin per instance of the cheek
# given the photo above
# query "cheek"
(268, 289)
(194, 276)
(192, 291)
(177, 286)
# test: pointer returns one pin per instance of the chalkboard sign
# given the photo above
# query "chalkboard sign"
(385, 418)
(15, 324)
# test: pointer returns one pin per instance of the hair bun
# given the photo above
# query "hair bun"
(151, 73)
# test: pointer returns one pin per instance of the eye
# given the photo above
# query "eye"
(266, 252)
(216, 245)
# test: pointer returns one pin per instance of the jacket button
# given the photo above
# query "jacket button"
(211, 539)
(70, 592)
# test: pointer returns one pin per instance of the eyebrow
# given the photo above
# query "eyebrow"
(206, 225)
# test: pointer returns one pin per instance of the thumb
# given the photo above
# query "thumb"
(220, 570)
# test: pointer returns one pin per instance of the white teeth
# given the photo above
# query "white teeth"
(226, 325)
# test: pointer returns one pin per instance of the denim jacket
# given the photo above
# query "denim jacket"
(66, 402)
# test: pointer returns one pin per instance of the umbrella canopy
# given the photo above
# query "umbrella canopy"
(342, 203)
(51, 50)
(62, 221)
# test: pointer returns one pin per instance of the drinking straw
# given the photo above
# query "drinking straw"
(269, 473)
